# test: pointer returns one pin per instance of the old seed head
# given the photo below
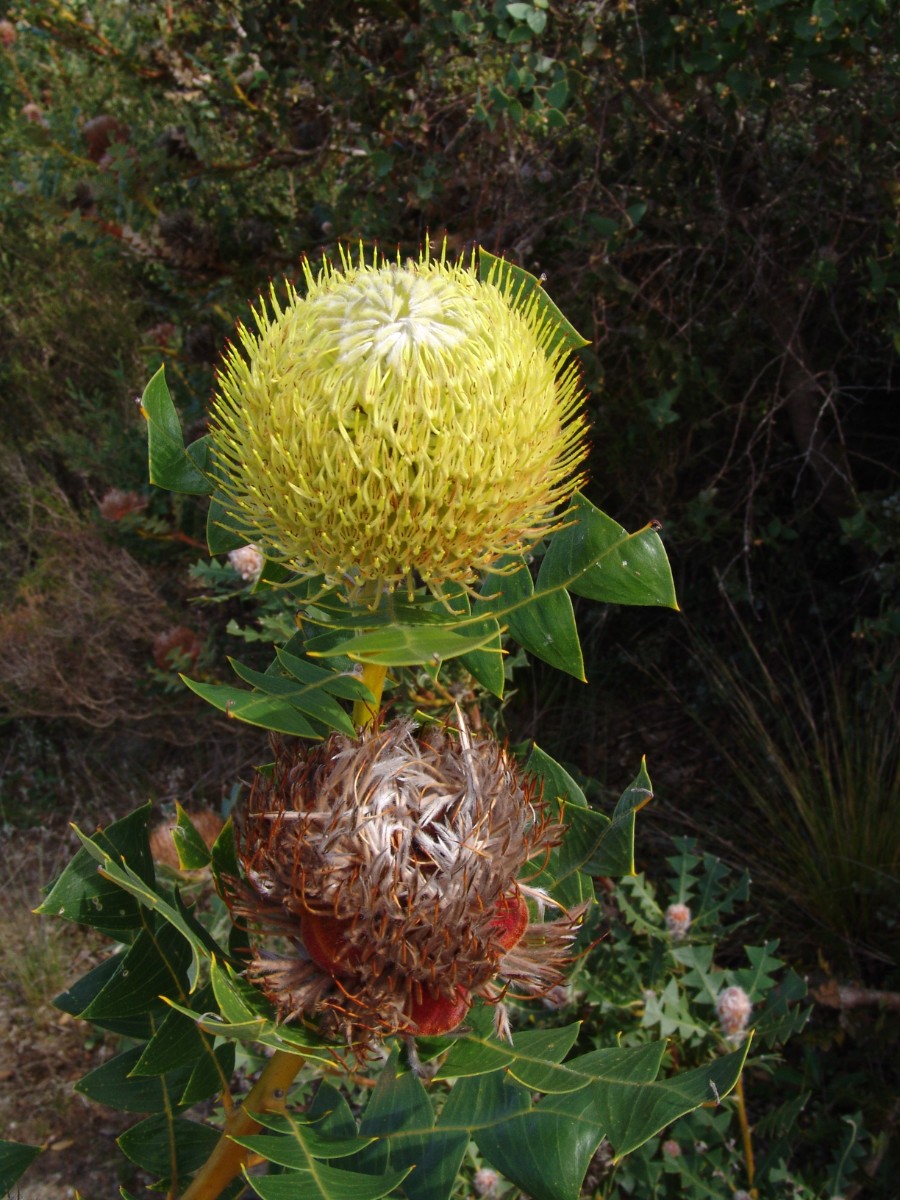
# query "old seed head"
(381, 883)
(397, 423)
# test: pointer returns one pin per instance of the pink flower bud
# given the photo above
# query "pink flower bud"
(733, 1009)
(671, 1147)
(486, 1181)
(678, 921)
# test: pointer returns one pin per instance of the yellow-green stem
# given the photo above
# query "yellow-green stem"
(270, 1090)
(267, 1095)
(373, 675)
(745, 1135)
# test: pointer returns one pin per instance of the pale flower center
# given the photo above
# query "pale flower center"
(387, 316)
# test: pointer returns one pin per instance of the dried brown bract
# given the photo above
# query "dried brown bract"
(381, 882)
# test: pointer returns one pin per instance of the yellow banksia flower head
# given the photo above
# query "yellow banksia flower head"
(398, 423)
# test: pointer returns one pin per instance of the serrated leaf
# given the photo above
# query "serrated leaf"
(524, 289)
(171, 467)
(80, 894)
(545, 1147)
(595, 557)
(15, 1159)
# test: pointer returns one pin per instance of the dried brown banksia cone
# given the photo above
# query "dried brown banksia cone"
(381, 883)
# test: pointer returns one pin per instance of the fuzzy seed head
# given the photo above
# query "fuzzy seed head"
(733, 1008)
(397, 422)
(380, 882)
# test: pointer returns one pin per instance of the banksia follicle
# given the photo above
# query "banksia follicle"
(397, 423)
(381, 883)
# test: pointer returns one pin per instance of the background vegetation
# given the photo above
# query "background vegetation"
(710, 190)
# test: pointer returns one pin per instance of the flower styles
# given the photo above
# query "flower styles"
(381, 883)
(398, 422)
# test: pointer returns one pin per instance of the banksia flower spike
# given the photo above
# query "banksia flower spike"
(381, 883)
(398, 423)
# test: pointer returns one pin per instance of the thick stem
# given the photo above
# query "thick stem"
(270, 1090)
(267, 1095)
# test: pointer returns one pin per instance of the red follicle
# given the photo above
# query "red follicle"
(434, 1015)
(510, 920)
(325, 939)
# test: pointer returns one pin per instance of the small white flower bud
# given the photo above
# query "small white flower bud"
(248, 561)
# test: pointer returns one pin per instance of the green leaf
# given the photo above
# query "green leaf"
(75, 999)
(545, 1150)
(221, 536)
(522, 289)
(327, 1183)
(170, 1149)
(112, 1084)
(595, 557)
(312, 698)
(177, 1040)
(15, 1158)
(544, 625)
(633, 1109)
(210, 1076)
(486, 665)
(171, 467)
(335, 679)
(545, 1147)
(614, 853)
(254, 708)
(178, 916)
(82, 895)
(400, 1114)
(481, 1052)
(189, 845)
(155, 966)
(413, 645)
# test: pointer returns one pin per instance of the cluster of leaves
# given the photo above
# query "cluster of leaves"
(641, 982)
(172, 990)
